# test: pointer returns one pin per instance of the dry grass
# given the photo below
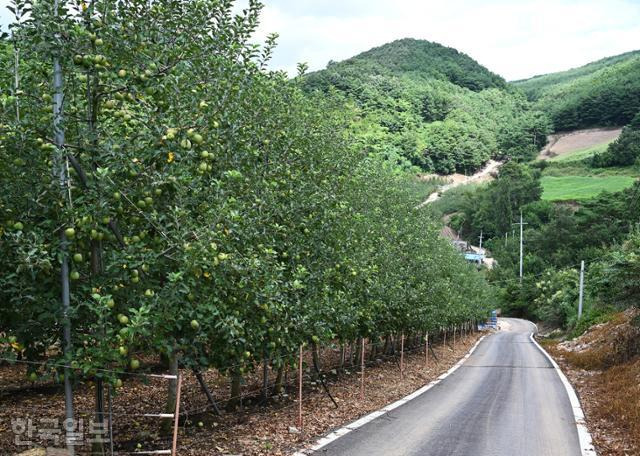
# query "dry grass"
(605, 345)
(620, 388)
(604, 366)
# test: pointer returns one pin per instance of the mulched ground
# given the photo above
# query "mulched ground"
(256, 429)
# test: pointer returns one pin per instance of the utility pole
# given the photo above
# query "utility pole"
(480, 239)
(580, 299)
(58, 132)
(521, 243)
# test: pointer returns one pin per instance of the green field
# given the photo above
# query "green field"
(581, 187)
(581, 154)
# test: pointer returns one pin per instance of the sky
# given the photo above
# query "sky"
(514, 38)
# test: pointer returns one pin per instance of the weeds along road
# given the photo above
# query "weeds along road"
(505, 400)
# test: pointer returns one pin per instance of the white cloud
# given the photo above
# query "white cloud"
(515, 38)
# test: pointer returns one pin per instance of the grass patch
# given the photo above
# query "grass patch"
(583, 168)
(581, 154)
(572, 188)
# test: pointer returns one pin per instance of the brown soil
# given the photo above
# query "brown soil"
(254, 430)
(454, 180)
(564, 143)
(604, 367)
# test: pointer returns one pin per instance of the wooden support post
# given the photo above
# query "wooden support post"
(402, 356)
(362, 371)
(174, 446)
(300, 389)
(454, 337)
(426, 350)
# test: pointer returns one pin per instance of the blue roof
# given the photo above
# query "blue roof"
(473, 256)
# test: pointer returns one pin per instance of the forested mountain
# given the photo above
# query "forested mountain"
(420, 103)
(602, 93)
(418, 58)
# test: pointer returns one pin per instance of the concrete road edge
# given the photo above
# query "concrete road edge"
(326, 440)
(586, 443)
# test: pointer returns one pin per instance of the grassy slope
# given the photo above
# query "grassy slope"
(581, 154)
(572, 188)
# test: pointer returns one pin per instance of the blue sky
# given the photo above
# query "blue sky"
(516, 38)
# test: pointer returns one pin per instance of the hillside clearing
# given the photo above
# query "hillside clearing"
(578, 141)
(581, 154)
(569, 188)
(455, 180)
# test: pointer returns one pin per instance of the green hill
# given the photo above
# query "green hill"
(420, 59)
(423, 104)
(602, 93)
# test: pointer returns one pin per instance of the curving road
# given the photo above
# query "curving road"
(505, 400)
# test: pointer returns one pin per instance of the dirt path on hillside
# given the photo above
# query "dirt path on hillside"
(564, 143)
(455, 180)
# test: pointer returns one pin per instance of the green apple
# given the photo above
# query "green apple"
(70, 233)
(75, 275)
(77, 257)
(134, 364)
(195, 324)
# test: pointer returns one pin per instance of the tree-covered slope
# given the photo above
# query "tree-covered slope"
(418, 58)
(602, 93)
(423, 104)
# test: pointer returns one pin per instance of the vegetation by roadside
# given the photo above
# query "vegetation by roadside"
(603, 364)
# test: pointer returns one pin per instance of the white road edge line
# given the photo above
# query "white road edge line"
(326, 440)
(586, 444)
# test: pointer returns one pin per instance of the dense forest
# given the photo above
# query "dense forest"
(558, 236)
(421, 104)
(602, 93)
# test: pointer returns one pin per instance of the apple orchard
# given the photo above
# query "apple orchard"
(212, 215)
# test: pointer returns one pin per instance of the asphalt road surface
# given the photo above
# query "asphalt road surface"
(505, 400)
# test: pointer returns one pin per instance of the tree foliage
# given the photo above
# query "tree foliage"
(602, 93)
(624, 151)
(419, 103)
(214, 211)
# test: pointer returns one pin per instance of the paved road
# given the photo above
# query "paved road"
(505, 400)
